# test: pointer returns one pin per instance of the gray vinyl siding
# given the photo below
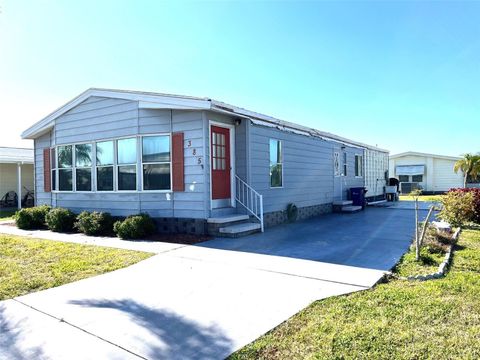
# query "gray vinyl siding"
(307, 169)
(40, 143)
(104, 118)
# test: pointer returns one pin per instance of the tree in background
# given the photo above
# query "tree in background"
(470, 166)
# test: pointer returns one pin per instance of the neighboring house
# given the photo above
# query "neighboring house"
(191, 162)
(16, 171)
(430, 172)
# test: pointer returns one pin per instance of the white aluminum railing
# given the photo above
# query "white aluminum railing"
(249, 199)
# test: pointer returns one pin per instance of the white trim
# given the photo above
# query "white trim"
(158, 162)
(362, 166)
(145, 98)
(161, 101)
(115, 165)
(231, 127)
(414, 153)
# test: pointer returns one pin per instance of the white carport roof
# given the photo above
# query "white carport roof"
(10, 155)
(150, 100)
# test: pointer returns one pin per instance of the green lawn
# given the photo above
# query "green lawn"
(421, 198)
(437, 319)
(7, 214)
(28, 265)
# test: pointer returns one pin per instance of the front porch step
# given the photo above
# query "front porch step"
(219, 212)
(227, 219)
(351, 209)
(342, 202)
(238, 230)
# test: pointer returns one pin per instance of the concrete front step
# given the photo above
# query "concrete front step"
(227, 219)
(238, 230)
(351, 209)
(342, 202)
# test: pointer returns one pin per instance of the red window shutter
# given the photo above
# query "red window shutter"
(178, 172)
(47, 183)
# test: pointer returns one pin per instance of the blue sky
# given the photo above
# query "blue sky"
(403, 75)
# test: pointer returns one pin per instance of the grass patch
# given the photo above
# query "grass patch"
(431, 198)
(429, 263)
(7, 214)
(28, 265)
(437, 319)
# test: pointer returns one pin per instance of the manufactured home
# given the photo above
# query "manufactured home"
(194, 164)
(428, 172)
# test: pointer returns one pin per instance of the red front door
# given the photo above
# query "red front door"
(220, 160)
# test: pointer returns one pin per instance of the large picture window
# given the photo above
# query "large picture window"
(105, 155)
(113, 165)
(156, 162)
(65, 168)
(358, 165)
(276, 163)
(83, 167)
(127, 164)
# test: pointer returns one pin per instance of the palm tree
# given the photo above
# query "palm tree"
(469, 165)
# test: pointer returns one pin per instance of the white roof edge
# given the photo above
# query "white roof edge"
(415, 153)
(289, 126)
(172, 101)
(150, 100)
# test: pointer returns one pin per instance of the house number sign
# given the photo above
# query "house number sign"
(194, 153)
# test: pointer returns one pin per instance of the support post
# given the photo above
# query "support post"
(19, 185)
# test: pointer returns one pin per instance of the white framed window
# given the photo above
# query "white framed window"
(403, 178)
(83, 167)
(417, 178)
(127, 164)
(358, 165)
(156, 163)
(65, 167)
(344, 164)
(105, 155)
(276, 164)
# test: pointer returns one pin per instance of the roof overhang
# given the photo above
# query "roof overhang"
(420, 154)
(148, 100)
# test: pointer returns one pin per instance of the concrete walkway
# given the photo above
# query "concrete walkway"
(198, 302)
(114, 242)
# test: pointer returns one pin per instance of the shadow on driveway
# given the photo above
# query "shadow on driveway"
(375, 238)
(180, 338)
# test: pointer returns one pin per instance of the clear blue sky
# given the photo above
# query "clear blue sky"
(403, 75)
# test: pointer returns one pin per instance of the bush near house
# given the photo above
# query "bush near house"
(60, 220)
(134, 227)
(32, 218)
(94, 223)
(461, 206)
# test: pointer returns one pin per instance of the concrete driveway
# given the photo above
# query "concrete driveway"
(204, 302)
(375, 238)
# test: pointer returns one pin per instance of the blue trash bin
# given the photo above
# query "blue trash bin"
(357, 195)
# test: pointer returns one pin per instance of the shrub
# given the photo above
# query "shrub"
(94, 223)
(32, 218)
(60, 220)
(134, 227)
(476, 202)
(460, 206)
